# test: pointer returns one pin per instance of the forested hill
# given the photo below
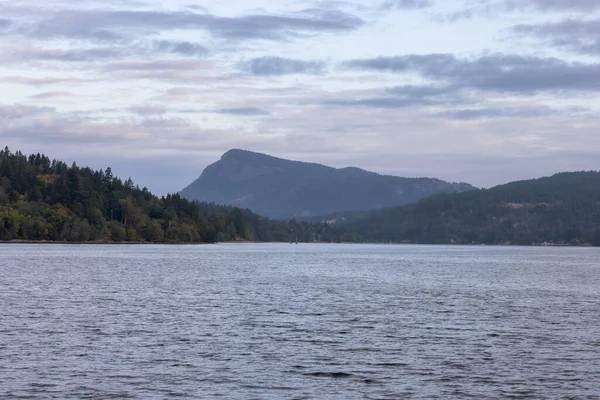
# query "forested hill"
(279, 188)
(43, 199)
(562, 209)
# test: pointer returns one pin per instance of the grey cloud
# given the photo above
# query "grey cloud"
(498, 72)
(281, 26)
(581, 36)
(79, 55)
(181, 48)
(160, 65)
(197, 8)
(69, 29)
(553, 5)
(281, 66)
(493, 8)
(21, 111)
(118, 25)
(246, 111)
(24, 80)
(175, 76)
(5, 23)
(72, 129)
(176, 94)
(407, 4)
(57, 130)
(483, 113)
(406, 96)
(50, 95)
(149, 109)
(458, 15)
(402, 63)
(421, 91)
(381, 102)
(165, 123)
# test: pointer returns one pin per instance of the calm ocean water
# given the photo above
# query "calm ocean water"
(280, 321)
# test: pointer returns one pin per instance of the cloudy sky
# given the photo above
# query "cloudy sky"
(482, 91)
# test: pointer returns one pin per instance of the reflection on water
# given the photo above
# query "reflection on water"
(298, 322)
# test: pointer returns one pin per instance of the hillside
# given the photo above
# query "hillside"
(44, 200)
(562, 209)
(280, 188)
(47, 200)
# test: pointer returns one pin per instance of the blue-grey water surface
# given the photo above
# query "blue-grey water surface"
(281, 321)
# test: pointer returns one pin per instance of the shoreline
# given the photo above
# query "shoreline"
(55, 242)
(49, 242)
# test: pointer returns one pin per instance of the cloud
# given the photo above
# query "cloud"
(80, 55)
(25, 80)
(406, 96)
(91, 55)
(180, 71)
(494, 8)
(152, 109)
(407, 4)
(400, 63)
(50, 95)
(181, 48)
(580, 36)
(46, 125)
(160, 65)
(281, 66)
(115, 26)
(246, 111)
(19, 111)
(135, 71)
(498, 72)
(175, 95)
(485, 113)
(552, 5)
(380, 102)
(66, 26)
(421, 91)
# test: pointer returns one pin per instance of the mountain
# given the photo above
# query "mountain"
(561, 209)
(44, 200)
(280, 188)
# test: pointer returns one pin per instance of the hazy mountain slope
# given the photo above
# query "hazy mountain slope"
(564, 208)
(281, 188)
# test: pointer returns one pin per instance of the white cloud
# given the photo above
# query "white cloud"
(171, 87)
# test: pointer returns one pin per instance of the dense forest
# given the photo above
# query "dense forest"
(562, 209)
(47, 200)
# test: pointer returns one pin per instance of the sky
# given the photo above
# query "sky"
(484, 92)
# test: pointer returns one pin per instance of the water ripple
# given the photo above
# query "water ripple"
(298, 322)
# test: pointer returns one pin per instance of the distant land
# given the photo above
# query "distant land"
(47, 200)
(279, 188)
(560, 210)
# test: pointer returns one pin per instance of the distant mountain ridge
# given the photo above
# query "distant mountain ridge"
(280, 188)
(563, 209)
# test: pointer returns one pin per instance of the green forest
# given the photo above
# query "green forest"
(47, 200)
(563, 209)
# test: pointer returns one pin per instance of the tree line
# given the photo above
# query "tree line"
(563, 209)
(47, 200)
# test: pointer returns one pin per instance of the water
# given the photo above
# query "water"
(299, 322)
